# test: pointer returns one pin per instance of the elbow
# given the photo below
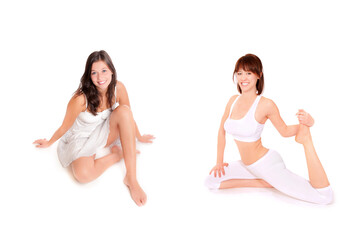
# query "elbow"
(221, 134)
(285, 132)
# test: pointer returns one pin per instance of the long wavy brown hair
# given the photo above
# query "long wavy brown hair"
(88, 88)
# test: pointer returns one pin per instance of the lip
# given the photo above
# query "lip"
(246, 83)
(102, 82)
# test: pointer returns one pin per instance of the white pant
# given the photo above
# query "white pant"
(271, 168)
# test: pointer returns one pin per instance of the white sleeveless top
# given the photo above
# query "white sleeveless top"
(88, 134)
(246, 129)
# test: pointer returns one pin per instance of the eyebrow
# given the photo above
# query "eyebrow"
(101, 69)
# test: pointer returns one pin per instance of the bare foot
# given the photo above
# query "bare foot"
(118, 151)
(136, 192)
(303, 135)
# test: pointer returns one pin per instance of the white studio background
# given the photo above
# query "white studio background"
(176, 60)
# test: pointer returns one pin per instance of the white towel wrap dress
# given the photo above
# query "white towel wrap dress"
(86, 136)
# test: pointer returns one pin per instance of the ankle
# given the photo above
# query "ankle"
(130, 179)
(308, 143)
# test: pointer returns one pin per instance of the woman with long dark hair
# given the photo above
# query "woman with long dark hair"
(244, 118)
(96, 117)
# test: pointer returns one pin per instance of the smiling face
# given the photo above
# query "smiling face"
(101, 75)
(248, 74)
(247, 80)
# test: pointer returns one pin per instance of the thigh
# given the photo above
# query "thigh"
(121, 112)
(273, 171)
(82, 164)
(235, 170)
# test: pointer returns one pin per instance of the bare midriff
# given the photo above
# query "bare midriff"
(250, 152)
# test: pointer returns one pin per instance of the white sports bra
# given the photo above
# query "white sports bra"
(246, 129)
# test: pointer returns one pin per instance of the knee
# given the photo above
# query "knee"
(123, 111)
(212, 183)
(82, 175)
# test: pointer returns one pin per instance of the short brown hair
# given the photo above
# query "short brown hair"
(251, 63)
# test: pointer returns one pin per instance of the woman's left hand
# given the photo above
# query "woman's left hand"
(146, 138)
(305, 118)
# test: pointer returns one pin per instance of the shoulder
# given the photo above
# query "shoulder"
(267, 102)
(78, 101)
(119, 84)
(267, 105)
(121, 94)
(230, 103)
(232, 99)
(120, 88)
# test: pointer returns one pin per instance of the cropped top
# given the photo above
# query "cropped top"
(246, 129)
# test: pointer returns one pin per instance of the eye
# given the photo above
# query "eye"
(93, 73)
(249, 73)
(104, 71)
(239, 73)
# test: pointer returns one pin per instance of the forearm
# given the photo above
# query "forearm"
(291, 130)
(58, 134)
(220, 147)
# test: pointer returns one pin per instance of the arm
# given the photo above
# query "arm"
(75, 106)
(275, 118)
(219, 167)
(221, 140)
(124, 100)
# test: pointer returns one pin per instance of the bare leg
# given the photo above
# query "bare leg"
(317, 175)
(86, 169)
(239, 183)
(122, 120)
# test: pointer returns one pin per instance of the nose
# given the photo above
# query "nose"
(101, 76)
(242, 77)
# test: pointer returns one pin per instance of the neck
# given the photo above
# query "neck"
(249, 95)
(102, 92)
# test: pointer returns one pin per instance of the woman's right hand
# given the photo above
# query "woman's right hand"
(219, 169)
(42, 143)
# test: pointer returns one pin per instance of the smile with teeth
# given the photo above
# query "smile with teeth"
(101, 83)
(244, 83)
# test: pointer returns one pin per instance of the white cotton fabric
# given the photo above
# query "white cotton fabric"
(271, 168)
(246, 129)
(87, 135)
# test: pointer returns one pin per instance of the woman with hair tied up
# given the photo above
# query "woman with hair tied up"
(98, 115)
(244, 118)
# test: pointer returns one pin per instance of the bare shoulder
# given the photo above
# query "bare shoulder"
(268, 106)
(121, 94)
(119, 85)
(267, 102)
(120, 88)
(230, 102)
(78, 101)
(232, 99)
